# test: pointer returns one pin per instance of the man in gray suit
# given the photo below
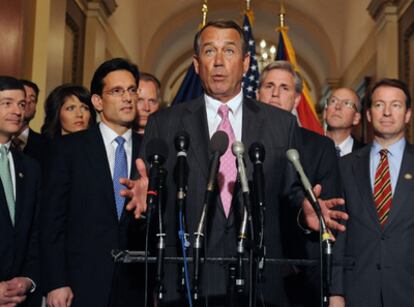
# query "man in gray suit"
(374, 257)
(220, 59)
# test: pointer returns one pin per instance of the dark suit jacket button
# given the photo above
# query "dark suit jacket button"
(378, 266)
(383, 237)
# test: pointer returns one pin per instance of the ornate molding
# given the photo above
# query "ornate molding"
(376, 7)
(108, 7)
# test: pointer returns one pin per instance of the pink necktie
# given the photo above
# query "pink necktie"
(227, 172)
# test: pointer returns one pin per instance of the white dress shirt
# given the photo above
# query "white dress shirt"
(109, 137)
(235, 114)
(346, 145)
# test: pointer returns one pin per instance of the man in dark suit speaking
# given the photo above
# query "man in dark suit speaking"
(19, 202)
(83, 216)
(375, 254)
(220, 59)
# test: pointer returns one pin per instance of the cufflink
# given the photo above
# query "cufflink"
(408, 176)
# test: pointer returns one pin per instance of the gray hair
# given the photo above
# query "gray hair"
(286, 66)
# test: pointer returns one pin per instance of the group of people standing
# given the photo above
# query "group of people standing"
(58, 228)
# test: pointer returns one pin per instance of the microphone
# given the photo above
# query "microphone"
(156, 153)
(238, 151)
(293, 157)
(257, 155)
(218, 146)
(182, 143)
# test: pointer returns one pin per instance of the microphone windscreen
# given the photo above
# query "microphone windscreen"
(156, 147)
(237, 148)
(219, 142)
(292, 155)
(257, 152)
(182, 141)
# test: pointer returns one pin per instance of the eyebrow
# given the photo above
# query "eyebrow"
(211, 43)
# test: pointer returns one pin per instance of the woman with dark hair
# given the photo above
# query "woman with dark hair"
(68, 109)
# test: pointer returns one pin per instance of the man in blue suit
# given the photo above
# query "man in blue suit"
(374, 256)
(84, 217)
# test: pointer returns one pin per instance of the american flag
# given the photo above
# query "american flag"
(251, 78)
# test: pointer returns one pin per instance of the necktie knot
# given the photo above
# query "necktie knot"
(383, 153)
(338, 151)
(120, 140)
(223, 111)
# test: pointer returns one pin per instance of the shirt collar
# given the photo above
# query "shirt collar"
(7, 145)
(234, 104)
(110, 135)
(395, 149)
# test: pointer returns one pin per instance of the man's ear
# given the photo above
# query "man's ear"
(97, 102)
(196, 64)
(357, 118)
(368, 115)
(297, 100)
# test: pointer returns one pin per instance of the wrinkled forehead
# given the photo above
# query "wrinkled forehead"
(220, 36)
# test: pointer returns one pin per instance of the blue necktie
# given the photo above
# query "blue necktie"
(120, 171)
(338, 151)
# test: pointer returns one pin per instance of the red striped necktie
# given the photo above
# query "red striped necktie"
(382, 188)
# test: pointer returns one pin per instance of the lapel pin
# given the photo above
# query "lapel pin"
(408, 176)
(21, 175)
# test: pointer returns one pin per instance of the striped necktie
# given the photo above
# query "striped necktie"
(382, 188)
(6, 181)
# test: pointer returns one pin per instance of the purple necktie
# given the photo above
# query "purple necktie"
(227, 172)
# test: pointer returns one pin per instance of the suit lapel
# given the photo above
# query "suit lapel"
(251, 128)
(362, 177)
(405, 184)
(136, 141)
(19, 174)
(98, 160)
(195, 123)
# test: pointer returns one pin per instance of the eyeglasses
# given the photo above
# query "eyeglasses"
(119, 91)
(334, 101)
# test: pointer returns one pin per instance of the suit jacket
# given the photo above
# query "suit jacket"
(320, 163)
(80, 225)
(371, 261)
(19, 248)
(357, 145)
(276, 130)
(36, 146)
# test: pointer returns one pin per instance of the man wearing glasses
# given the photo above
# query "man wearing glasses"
(342, 113)
(83, 216)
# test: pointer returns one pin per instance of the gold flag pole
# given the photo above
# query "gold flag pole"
(282, 13)
(249, 12)
(204, 11)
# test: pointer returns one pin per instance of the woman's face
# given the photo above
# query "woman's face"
(74, 115)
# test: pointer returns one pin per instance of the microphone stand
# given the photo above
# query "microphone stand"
(159, 286)
(326, 251)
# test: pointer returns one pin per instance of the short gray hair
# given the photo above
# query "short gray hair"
(286, 66)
